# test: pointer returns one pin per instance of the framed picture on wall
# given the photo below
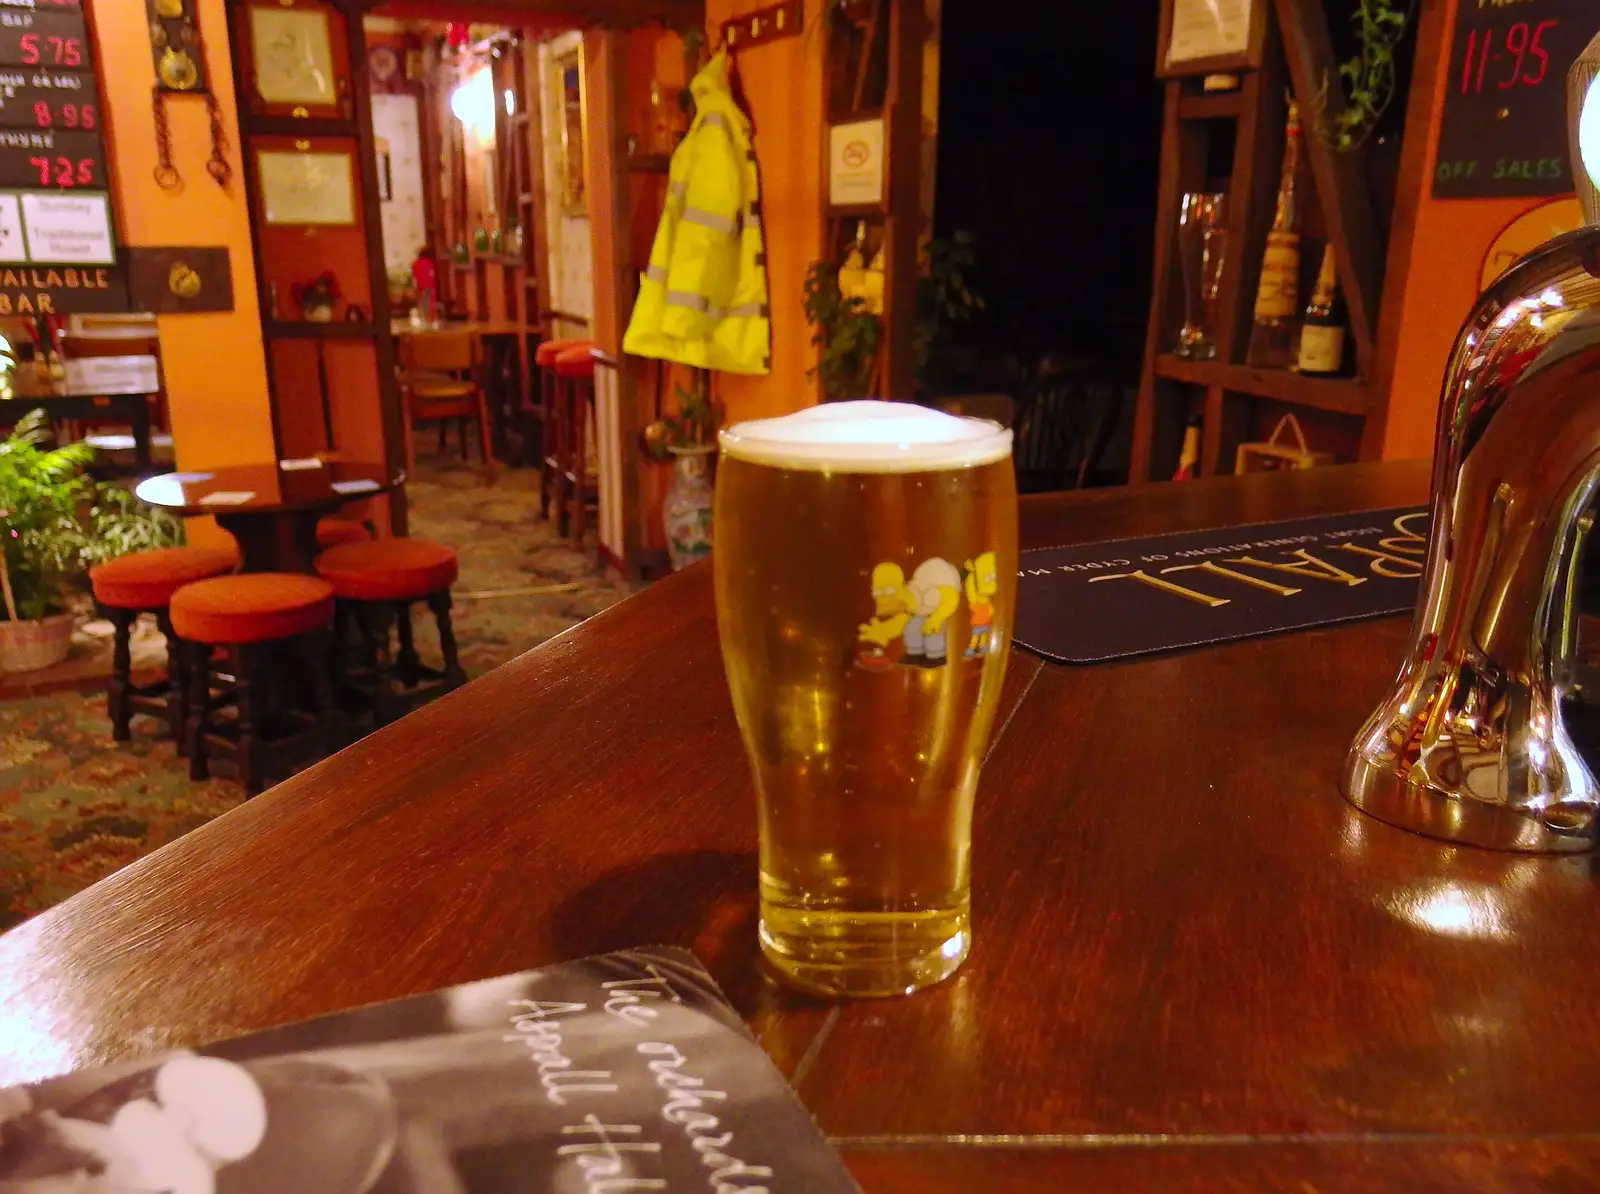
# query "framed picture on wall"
(1202, 36)
(567, 107)
(291, 53)
(299, 187)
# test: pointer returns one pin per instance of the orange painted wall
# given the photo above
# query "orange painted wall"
(1448, 247)
(214, 364)
(782, 86)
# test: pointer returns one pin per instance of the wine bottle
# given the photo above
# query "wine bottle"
(1322, 333)
(1272, 338)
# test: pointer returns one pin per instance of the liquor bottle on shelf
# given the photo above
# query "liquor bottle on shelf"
(1272, 338)
(1322, 333)
(1189, 454)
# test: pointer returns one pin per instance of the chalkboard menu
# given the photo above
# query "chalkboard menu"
(624, 1072)
(58, 253)
(1504, 131)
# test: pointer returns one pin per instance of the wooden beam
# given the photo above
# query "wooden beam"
(538, 15)
(904, 223)
(1167, 193)
(1340, 176)
(391, 413)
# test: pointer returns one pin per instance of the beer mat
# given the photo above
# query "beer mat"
(624, 1071)
(1096, 602)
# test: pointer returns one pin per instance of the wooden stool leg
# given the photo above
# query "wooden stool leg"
(199, 671)
(406, 664)
(485, 430)
(411, 439)
(580, 451)
(439, 603)
(547, 440)
(563, 452)
(119, 704)
(318, 660)
(247, 675)
(177, 681)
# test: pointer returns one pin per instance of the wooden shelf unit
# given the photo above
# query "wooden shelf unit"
(1295, 52)
(873, 70)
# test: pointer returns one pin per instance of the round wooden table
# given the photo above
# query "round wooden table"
(270, 509)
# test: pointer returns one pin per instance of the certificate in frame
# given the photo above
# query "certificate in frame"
(313, 189)
(291, 53)
(1199, 37)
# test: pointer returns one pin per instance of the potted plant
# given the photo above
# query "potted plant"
(56, 524)
(317, 297)
(846, 333)
(688, 437)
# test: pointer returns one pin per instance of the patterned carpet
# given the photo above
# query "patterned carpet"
(75, 806)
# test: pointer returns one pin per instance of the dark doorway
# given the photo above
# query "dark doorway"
(1049, 149)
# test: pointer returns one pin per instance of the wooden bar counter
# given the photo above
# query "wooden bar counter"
(1195, 967)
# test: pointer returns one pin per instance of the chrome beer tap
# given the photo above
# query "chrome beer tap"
(1474, 742)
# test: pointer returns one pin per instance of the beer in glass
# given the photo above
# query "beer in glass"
(866, 565)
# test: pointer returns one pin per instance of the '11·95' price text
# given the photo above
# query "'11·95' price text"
(64, 171)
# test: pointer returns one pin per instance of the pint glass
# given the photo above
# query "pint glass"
(866, 565)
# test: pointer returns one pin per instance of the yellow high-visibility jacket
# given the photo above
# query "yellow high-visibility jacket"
(703, 299)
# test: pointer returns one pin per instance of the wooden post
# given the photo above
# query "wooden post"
(393, 417)
(903, 226)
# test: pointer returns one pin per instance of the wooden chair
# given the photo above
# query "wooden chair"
(1065, 425)
(440, 380)
(127, 340)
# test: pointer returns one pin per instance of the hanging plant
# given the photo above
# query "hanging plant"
(1367, 79)
(845, 333)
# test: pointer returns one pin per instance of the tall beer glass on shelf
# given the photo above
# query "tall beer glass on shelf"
(866, 566)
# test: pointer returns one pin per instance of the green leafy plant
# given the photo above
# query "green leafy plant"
(693, 425)
(845, 333)
(116, 523)
(56, 522)
(1368, 79)
(947, 304)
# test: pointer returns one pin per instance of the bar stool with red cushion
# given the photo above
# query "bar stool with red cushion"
(374, 582)
(333, 532)
(258, 620)
(574, 370)
(144, 582)
(550, 462)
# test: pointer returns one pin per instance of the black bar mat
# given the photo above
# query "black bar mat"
(1125, 597)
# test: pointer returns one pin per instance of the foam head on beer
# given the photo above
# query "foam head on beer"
(868, 437)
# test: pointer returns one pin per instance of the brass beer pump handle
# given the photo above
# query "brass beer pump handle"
(1475, 742)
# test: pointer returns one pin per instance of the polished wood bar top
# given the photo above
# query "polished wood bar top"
(1195, 967)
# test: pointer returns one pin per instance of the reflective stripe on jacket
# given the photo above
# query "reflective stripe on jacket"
(703, 297)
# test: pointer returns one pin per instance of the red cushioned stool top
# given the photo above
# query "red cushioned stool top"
(331, 532)
(388, 569)
(576, 362)
(148, 579)
(257, 607)
(545, 355)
